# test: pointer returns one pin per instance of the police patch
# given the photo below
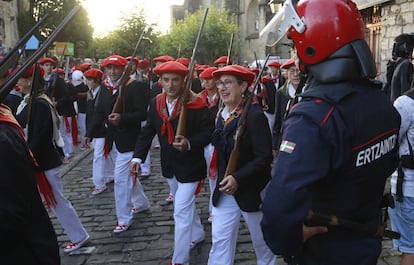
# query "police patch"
(287, 147)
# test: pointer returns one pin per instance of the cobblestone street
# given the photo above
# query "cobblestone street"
(149, 240)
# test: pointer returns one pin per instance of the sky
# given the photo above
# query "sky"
(105, 15)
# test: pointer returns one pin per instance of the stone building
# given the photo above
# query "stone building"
(8, 23)
(384, 20)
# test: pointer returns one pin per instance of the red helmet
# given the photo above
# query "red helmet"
(330, 24)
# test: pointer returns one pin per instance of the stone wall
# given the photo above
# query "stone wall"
(397, 18)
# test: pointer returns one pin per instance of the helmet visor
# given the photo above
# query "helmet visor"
(281, 22)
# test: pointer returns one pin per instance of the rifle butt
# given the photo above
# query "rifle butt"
(232, 164)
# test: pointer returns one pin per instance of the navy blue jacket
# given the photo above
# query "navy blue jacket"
(253, 166)
(335, 157)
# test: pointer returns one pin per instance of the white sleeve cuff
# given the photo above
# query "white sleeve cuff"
(137, 160)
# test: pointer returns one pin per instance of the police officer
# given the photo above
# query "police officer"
(335, 156)
(402, 76)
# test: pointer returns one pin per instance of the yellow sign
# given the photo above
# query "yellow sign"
(64, 48)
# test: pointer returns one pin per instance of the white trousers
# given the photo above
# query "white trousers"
(66, 136)
(225, 229)
(208, 155)
(173, 184)
(102, 167)
(124, 190)
(146, 166)
(64, 211)
(188, 226)
(82, 125)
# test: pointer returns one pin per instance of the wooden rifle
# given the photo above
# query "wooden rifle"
(33, 94)
(55, 75)
(62, 56)
(179, 51)
(258, 64)
(262, 89)
(185, 96)
(117, 108)
(230, 48)
(241, 127)
(11, 82)
(12, 57)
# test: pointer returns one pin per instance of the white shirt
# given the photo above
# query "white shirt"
(170, 106)
(405, 106)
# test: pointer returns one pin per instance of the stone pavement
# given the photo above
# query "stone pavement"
(149, 240)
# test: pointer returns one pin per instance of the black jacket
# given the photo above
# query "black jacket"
(97, 112)
(187, 166)
(26, 233)
(40, 133)
(134, 111)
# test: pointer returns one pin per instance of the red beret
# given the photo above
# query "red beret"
(114, 60)
(59, 71)
(29, 72)
(171, 67)
(85, 66)
(288, 63)
(255, 70)
(221, 60)
(208, 73)
(46, 60)
(184, 61)
(143, 63)
(163, 59)
(275, 64)
(136, 60)
(236, 70)
(93, 73)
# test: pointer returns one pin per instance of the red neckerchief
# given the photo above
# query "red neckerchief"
(212, 169)
(210, 104)
(110, 87)
(161, 106)
(42, 182)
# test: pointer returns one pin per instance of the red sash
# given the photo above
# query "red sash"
(42, 182)
(74, 127)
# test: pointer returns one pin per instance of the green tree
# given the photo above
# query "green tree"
(214, 41)
(122, 41)
(78, 30)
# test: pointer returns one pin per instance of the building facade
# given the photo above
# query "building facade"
(8, 23)
(384, 20)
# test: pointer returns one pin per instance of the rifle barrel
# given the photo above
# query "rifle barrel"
(230, 48)
(117, 108)
(23, 40)
(10, 83)
(186, 93)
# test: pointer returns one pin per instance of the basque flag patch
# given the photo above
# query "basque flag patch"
(287, 147)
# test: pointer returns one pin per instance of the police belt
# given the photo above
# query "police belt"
(321, 219)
